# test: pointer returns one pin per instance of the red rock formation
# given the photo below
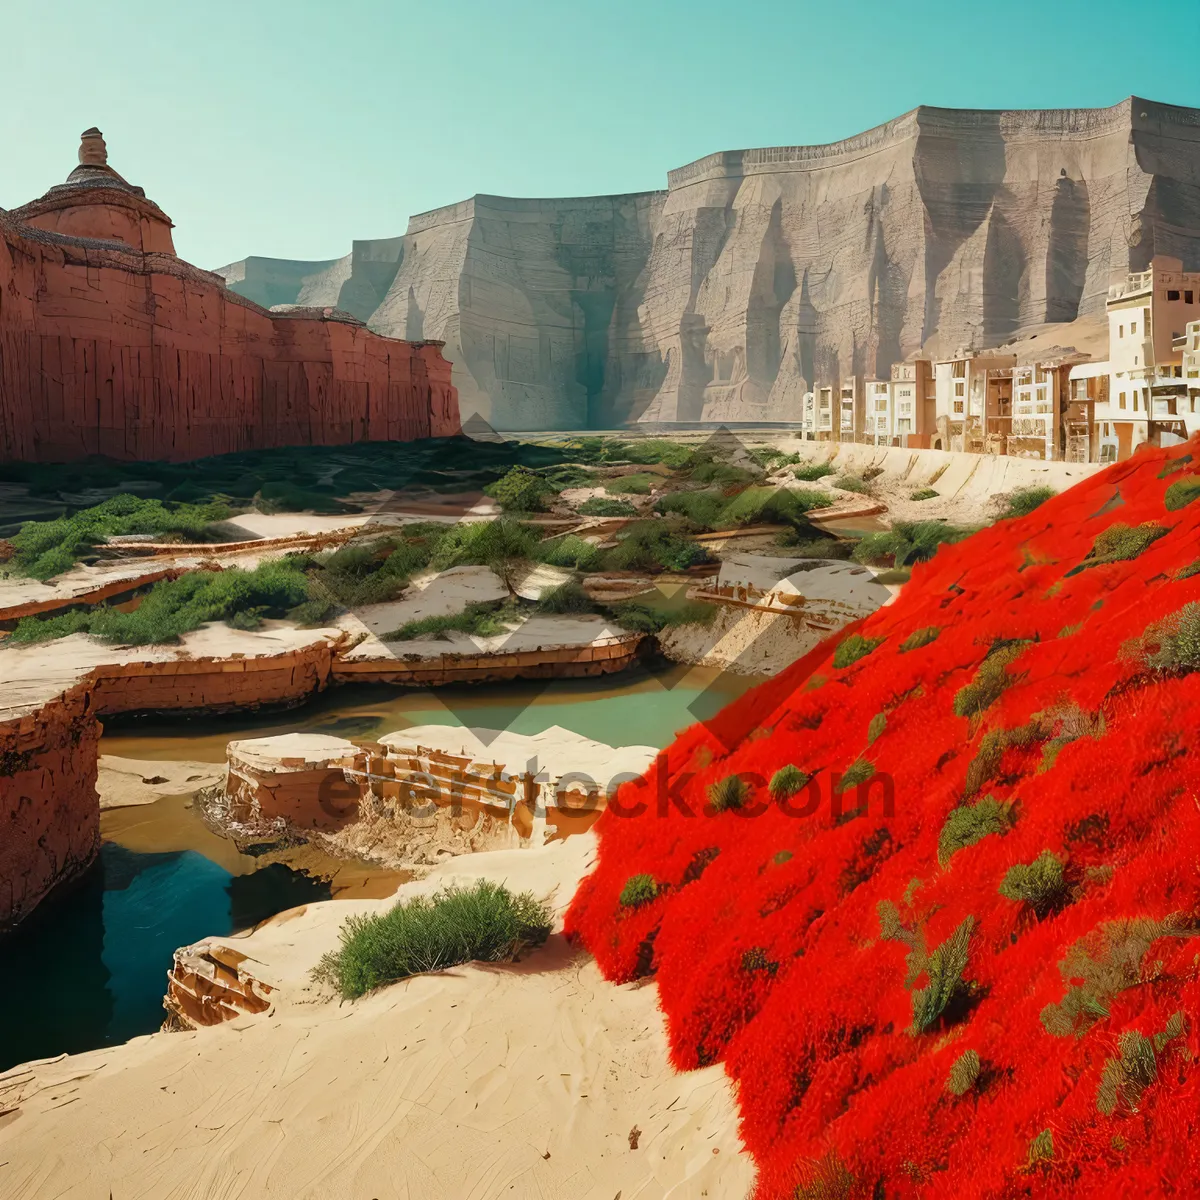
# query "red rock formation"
(110, 344)
(49, 810)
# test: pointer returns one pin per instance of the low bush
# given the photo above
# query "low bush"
(44, 549)
(654, 546)
(1040, 884)
(638, 890)
(502, 545)
(920, 637)
(724, 475)
(482, 619)
(857, 772)
(779, 506)
(990, 680)
(854, 647)
(570, 551)
(643, 618)
(1172, 645)
(728, 793)
(702, 509)
(568, 597)
(1120, 543)
(1181, 493)
(925, 494)
(963, 1073)
(1022, 501)
(640, 484)
(852, 483)
(811, 472)
(786, 782)
(482, 923)
(174, 607)
(907, 542)
(522, 491)
(971, 823)
(598, 506)
(944, 969)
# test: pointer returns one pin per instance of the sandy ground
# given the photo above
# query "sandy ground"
(32, 674)
(521, 1081)
(124, 782)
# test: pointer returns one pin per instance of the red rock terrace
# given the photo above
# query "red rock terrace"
(111, 344)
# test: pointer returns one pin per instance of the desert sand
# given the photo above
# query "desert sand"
(524, 1081)
(124, 782)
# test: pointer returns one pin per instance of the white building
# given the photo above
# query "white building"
(878, 428)
(1148, 396)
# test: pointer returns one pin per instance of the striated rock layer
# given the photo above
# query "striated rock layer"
(106, 349)
(758, 272)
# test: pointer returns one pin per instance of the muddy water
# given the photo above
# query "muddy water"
(637, 707)
(93, 963)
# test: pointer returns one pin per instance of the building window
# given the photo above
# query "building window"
(1132, 328)
(958, 370)
(1189, 297)
(1120, 331)
(1172, 294)
(1121, 401)
(960, 389)
(958, 406)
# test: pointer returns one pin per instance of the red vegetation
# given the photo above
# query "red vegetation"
(842, 967)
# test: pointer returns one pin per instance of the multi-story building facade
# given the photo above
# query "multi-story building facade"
(850, 423)
(1147, 393)
(1189, 354)
(878, 416)
(973, 402)
(1081, 433)
(912, 403)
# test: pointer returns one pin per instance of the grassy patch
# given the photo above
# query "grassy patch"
(1181, 493)
(852, 483)
(920, 637)
(520, 490)
(851, 649)
(1121, 543)
(634, 485)
(482, 923)
(728, 793)
(1022, 501)
(599, 506)
(44, 549)
(568, 597)
(1171, 645)
(907, 542)
(654, 546)
(503, 545)
(811, 472)
(971, 823)
(1040, 884)
(925, 494)
(991, 679)
(638, 890)
(570, 551)
(857, 772)
(786, 782)
(174, 607)
(483, 619)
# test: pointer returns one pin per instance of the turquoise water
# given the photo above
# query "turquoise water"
(88, 969)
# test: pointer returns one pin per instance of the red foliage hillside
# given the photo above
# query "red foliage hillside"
(990, 986)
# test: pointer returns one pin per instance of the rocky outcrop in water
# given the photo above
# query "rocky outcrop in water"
(758, 272)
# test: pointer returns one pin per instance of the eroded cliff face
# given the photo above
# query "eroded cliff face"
(49, 810)
(758, 272)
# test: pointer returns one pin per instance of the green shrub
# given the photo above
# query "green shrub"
(634, 485)
(1120, 543)
(173, 607)
(1181, 493)
(1172, 644)
(1188, 571)
(963, 1073)
(598, 506)
(851, 483)
(781, 506)
(920, 637)
(1022, 501)
(482, 619)
(638, 890)
(1040, 884)
(568, 597)
(971, 823)
(876, 727)
(786, 782)
(728, 793)
(724, 475)
(654, 546)
(703, 509)
(502, 545)
(908, 542)
(43, 549)
(1173, 465)
(925, 494)
(659, 450)
(944, 967)
(570, 551)
(811, 472)
(851, 649)
(857, 772)
(991, 679)
(481, 923)
(522, 491)
(638, 617)
(1041, 1149)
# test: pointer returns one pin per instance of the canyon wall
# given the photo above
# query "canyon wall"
(108, 350)
(49, 810)
(759, 272)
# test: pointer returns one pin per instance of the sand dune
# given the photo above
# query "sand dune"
(521, 1081)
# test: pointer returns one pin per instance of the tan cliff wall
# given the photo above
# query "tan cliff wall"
(106, 350)
(49, 810)
(759, 272)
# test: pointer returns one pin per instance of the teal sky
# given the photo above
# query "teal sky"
(287, 129)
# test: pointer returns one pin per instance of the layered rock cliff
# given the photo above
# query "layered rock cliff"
(758, 272)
